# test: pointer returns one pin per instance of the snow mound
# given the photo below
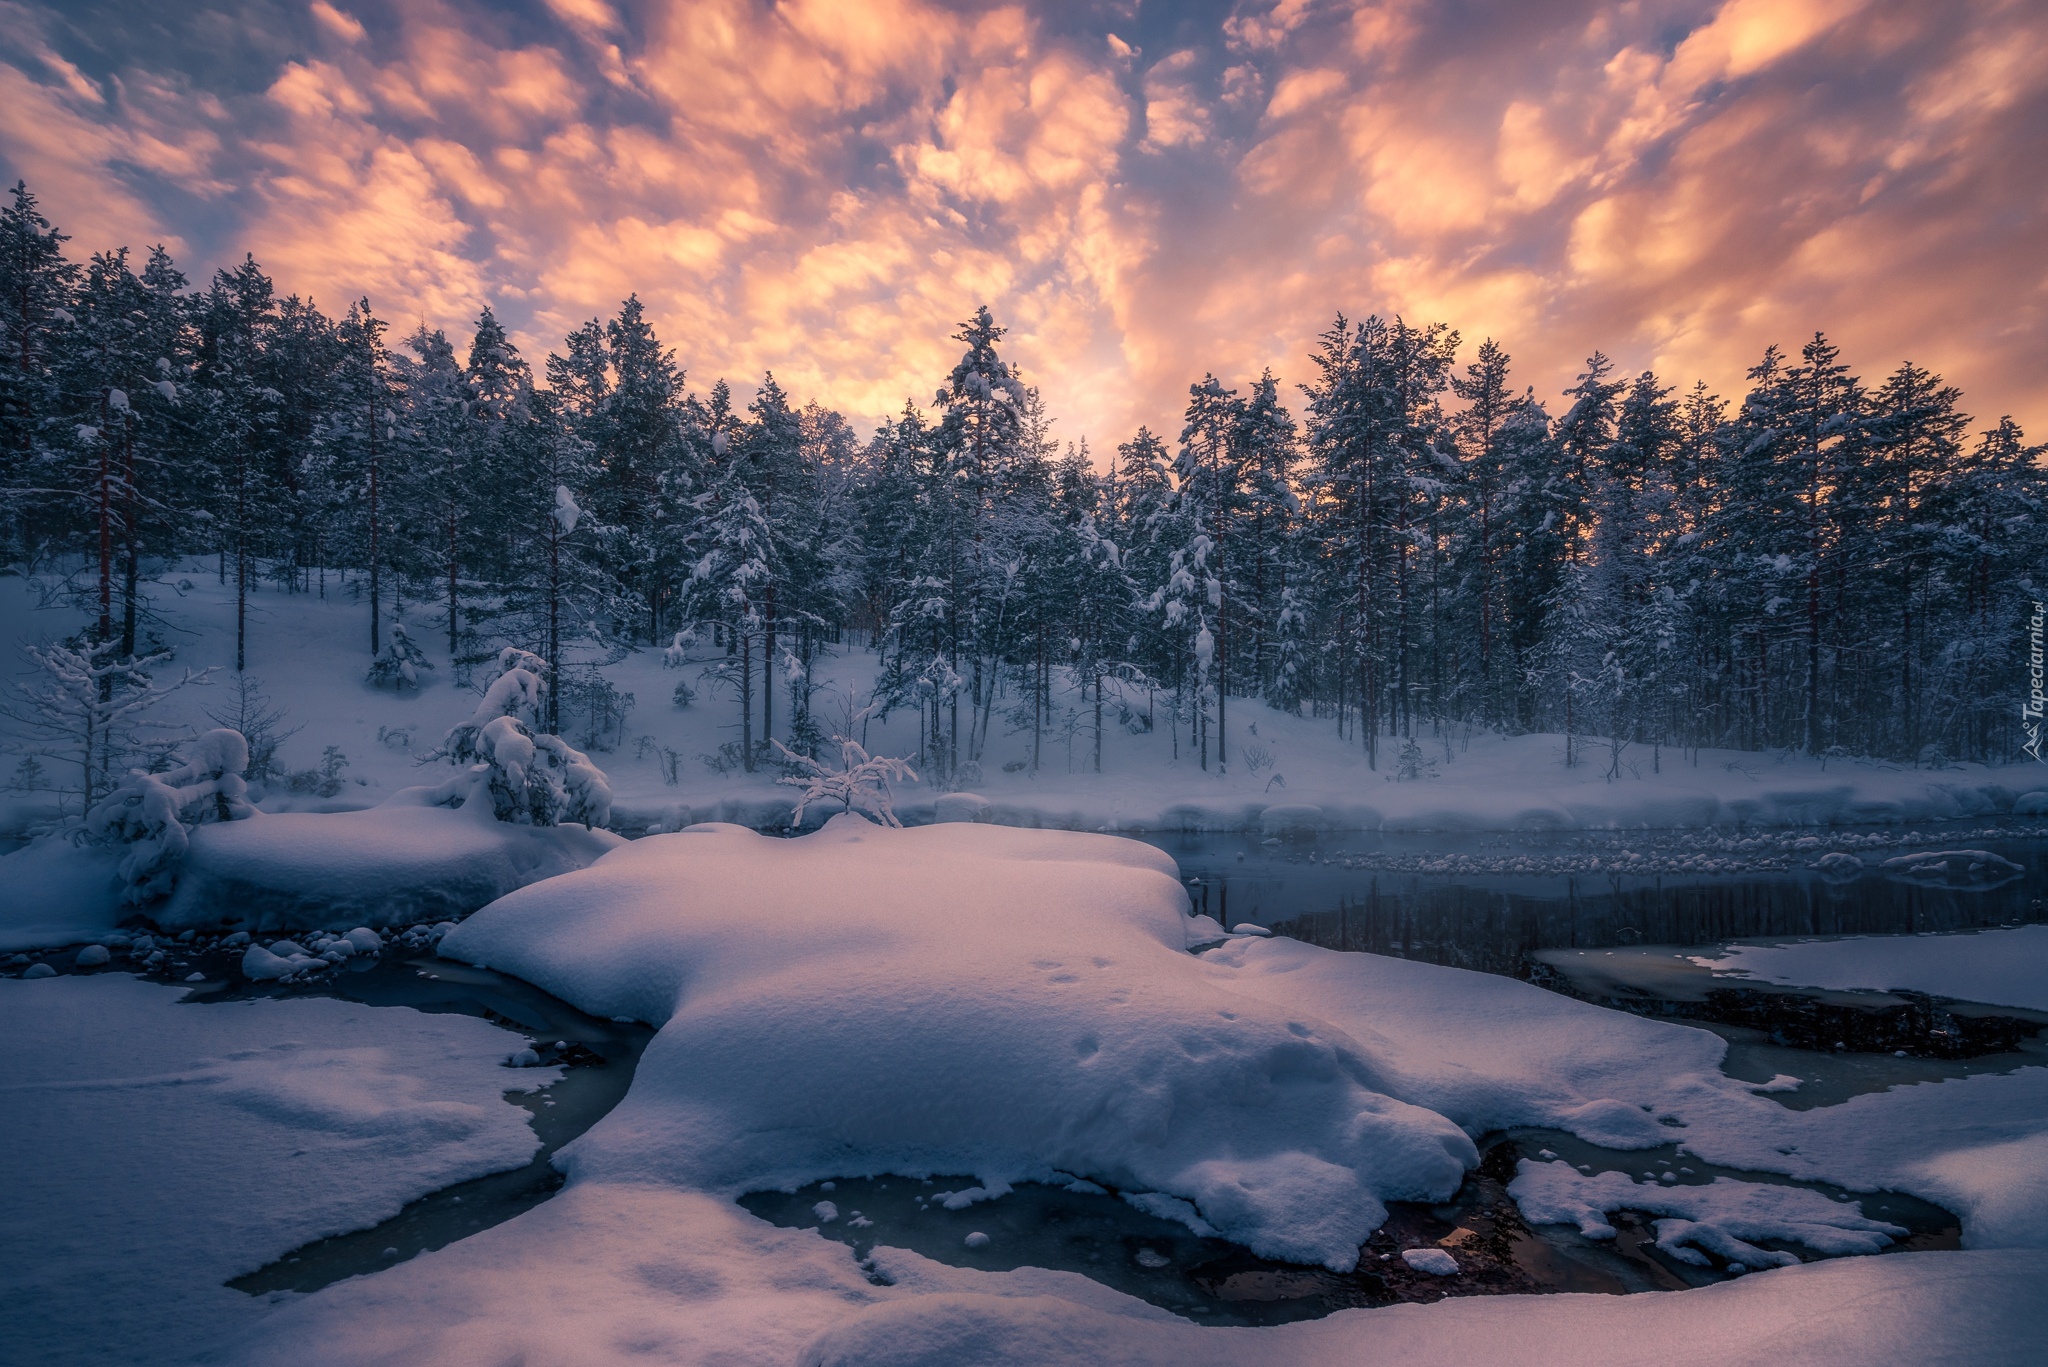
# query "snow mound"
(59, 893)
(391, 865)
(1434, 1261)
(959, 998)
(1996, 967)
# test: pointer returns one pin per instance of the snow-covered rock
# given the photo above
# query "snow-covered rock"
(1717, 1217)
(1434, 1261)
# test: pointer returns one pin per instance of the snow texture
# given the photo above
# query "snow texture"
(156, 1150)
(1996, 967)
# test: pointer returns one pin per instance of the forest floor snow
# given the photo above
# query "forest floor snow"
(156, 1149)
(1021, 1005)
(310, 654)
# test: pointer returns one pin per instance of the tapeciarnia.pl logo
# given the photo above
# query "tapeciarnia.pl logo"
(2031, 710)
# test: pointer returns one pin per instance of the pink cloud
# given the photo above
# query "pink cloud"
(825, 189)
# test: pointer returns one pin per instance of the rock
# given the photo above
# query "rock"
(1434, 1261)
(236, 940)
(825, 1212)
(39, 971)
(977, 1240)
(365, 940)
(2031, 804)
(1248, 928)
(92, 956)
(260, 965)
(524, 1058)
(195, 977)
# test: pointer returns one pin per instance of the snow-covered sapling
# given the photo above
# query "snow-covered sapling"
(153, 813)
(528, 776)
(400, 662)
(86, 706)
(861, 783)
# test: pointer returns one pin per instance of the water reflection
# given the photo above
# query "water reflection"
(1326, 890)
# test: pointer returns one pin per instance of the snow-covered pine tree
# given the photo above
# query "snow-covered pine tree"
(726, 586)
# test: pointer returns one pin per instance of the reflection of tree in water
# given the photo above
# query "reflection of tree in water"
(1491, 930)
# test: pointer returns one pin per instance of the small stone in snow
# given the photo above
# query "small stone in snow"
(1434, 1261)
(391, 1253)
(92, 956)
(977, 1240)
(1152, 1258)
(828, 1186)
(825, 1212)
(195, 977)
(39, 971)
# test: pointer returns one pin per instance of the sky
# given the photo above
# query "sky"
(1141, 192)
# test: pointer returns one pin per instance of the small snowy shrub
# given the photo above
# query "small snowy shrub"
(153, 813)
(1257, 758)
(724, 759)
(28, 775)
(1413, 764)
(529, 777)
(597, 701)
(260, 723)
(324, 781)
(861, 783)
(400, 662)
(684, 694)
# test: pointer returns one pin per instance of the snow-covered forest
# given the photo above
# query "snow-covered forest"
(1398, 539)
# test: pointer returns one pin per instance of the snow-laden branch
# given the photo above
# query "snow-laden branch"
(860, 784)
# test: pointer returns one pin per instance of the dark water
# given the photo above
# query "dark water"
(1339, 891)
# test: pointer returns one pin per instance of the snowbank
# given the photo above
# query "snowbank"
(1997, 967)
(390, 865)
(156, 1150)
(958, 998)
(58, 893)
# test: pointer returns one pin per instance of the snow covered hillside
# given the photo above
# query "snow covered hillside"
(309, 656)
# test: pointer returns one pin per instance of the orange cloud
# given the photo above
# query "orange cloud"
(825, 188)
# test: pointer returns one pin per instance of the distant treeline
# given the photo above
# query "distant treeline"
(1403, 546)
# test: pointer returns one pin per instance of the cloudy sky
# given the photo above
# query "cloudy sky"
(1141, 191)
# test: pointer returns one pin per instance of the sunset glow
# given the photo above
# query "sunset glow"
(1142, 193)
